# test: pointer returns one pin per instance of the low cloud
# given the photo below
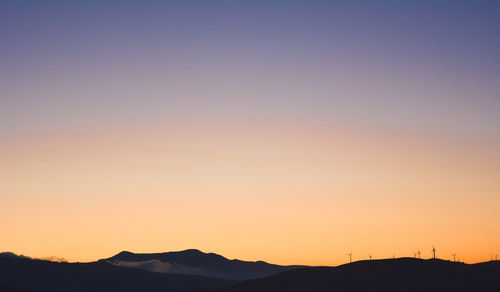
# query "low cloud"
(53, 259)
(151, 265)
(158, 266)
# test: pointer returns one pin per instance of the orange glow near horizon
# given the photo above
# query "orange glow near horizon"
(283, 194)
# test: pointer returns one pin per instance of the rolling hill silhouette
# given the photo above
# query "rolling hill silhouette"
(403, 274)
(195, 262)
(24, 274)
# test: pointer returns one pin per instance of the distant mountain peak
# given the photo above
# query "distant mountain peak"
(196, 262)
(191, 251)
(125, 252)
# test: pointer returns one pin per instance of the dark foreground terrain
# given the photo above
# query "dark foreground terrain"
(40, 276)
(404, 274)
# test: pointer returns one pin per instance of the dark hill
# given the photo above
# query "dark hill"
(21, 274)
(195, 262)
(404, 274)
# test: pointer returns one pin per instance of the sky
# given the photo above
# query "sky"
(291, 132)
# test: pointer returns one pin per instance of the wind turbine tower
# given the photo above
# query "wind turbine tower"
(350, 257)
(418, 251)
(454, 256)
(433, 252)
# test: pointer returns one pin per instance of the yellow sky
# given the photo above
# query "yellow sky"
(287, 195)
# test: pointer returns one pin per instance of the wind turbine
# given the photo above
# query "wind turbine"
(418, 251)
(453, 256)
(433, 252)
(350, 257)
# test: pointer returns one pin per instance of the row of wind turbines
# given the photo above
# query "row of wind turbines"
(415, 255)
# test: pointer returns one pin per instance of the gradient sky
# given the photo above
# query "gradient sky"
(290, 132)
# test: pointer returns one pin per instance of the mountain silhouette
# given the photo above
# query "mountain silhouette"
(195, 262)
(29, 275)
(23, 274)
(403, 274)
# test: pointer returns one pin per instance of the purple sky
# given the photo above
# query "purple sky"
(433, 66)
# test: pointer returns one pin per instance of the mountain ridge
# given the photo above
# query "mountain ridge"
(25, 274)
(20, 273)
(196, 262)
(400, 274)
